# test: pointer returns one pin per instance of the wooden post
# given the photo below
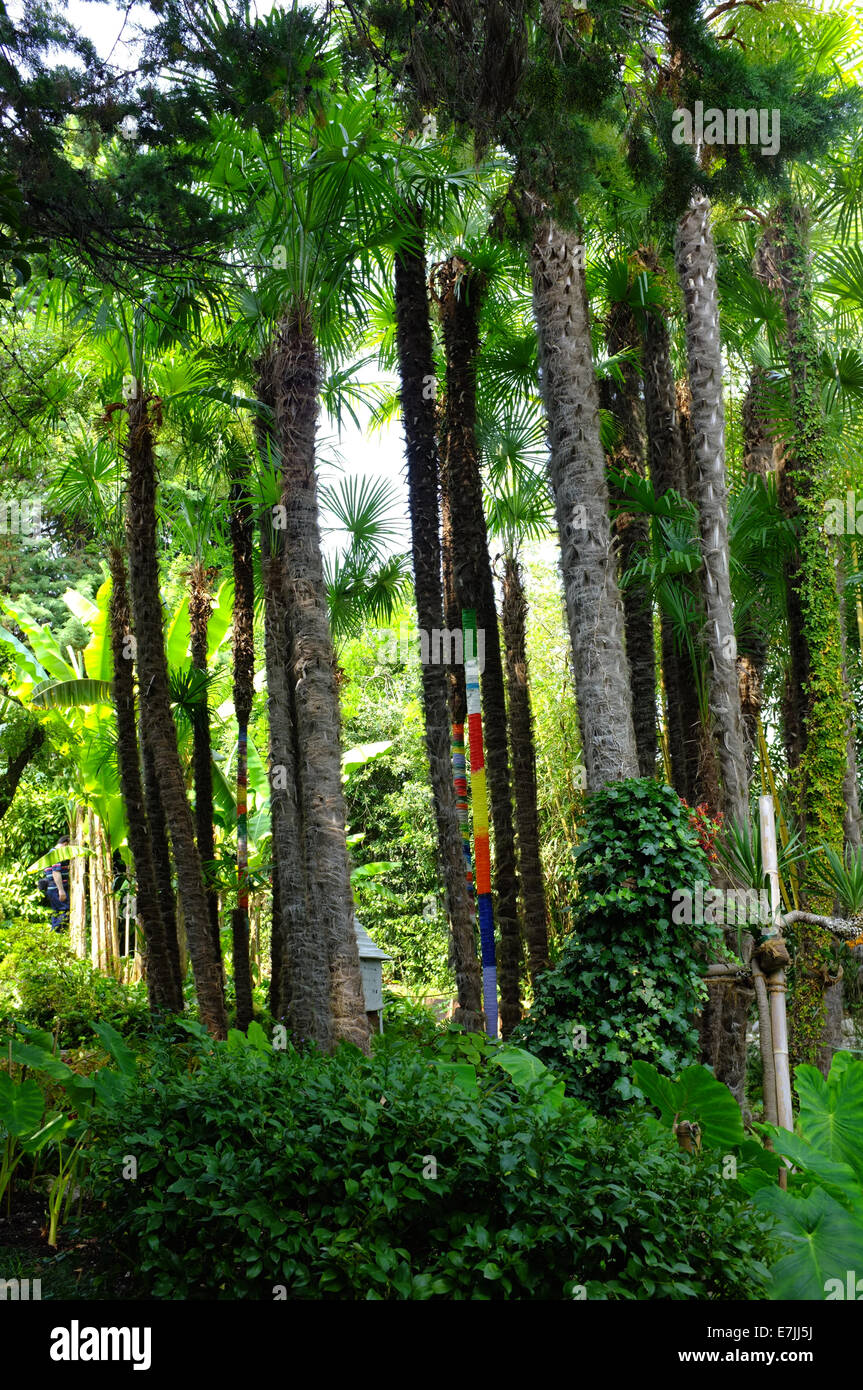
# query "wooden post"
(776, 980)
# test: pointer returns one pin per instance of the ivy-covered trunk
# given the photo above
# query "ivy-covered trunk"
(823, 767)
(460, 290)
(578, 479)
(417, 374)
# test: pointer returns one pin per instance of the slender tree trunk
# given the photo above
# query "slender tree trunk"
(524, 767)
(695, 256)
(244, 690)
(77, 887)
(163, 966)
(456, 679)
(665, 463)
(156, 713)
(200, 608)
(622, 400)
(416, 368)
(17, 765)
(291, 372)
(161, 852)
(578, 478)
(460, 293)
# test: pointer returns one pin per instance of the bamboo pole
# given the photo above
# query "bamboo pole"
(776, 988)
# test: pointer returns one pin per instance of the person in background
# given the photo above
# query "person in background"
(57, 890)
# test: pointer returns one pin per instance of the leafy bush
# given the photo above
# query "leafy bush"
(265, 1174)
(821, 1215)
(628, 982)
(43, 984)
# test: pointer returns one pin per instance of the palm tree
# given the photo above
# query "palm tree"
(459, 289)
(417, 373)
(578, 477)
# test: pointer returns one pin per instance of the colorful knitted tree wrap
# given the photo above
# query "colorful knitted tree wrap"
(481, 851)
(459, 781)
(242, 818)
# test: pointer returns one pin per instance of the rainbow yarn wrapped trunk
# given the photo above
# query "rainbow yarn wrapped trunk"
(481, 848)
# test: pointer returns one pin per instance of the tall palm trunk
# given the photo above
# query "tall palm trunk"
(623, 400)
(578, 478)
(695, 257)
(163, 966)
(200, 608)
(416, 369)
(455, 677)
(291, 373)
(665, 463)
(460, 294)
(156, 712)
(524, 767)
(244, 691)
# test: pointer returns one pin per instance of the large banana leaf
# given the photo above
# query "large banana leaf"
(44, 644)
(178, 635)
(98, 661)
(72, 694)
(220, 619)
(29, 670)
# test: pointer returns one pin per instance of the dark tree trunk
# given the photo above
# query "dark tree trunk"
(244, 691)
(161, 852)
(622, 400)
(460, 292)
(156, 712)
(291, 374)
(524, 768)
(416, 369)
(17, 766)
(164, 987)
(200, 608)
(665, 462)
(456, 679)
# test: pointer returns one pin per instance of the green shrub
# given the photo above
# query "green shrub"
(628, 982)
(43, 984)
(265, 1174)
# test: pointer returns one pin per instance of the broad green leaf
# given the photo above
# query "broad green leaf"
(220, 619)
(258, 1038)
(44, 645)
(56, 1129)
(109, 1086)
(839, 1179)
(98, 658)
(826, 1241)
(40, 1059)
(25, 662)
(695, 1095)
(464, 1076)
(114, 1044)
(21, 1105)
(72, 694)
(831, 1111)
(178, 635)
(355, 758)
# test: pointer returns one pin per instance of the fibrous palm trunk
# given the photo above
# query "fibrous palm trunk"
(695, 258)
(459, 297)
(524, 768)
(456, 678)
(156, 712)
(200, 608)
(291, 373)
(163, 963)
(578, 478)
(244, 690)
(416, 369)
(622, 399)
